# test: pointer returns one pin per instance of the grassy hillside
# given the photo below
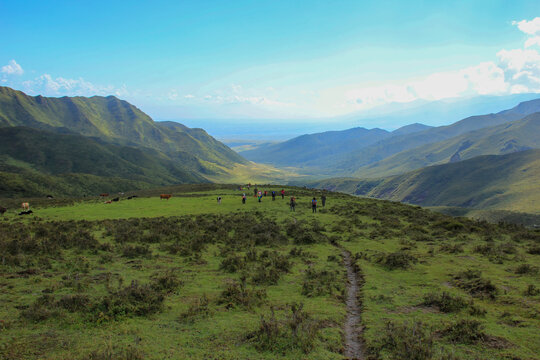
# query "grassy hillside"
(494, 182)
(192, 279)
(383, 149)
(510, 137)
(112, 120)
(36, 162)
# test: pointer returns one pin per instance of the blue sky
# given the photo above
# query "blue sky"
(270, 59)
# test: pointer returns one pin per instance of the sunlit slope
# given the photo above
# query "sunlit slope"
(112, 120)
(508, 182)
(510, 137)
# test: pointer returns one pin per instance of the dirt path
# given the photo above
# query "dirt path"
(353, 329)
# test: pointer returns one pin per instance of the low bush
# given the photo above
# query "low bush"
(406, 341)
(297, 331)
(445, 302)
(472, 282)
(237, 294)
(396, 260)
(321, 282)
(465, 331)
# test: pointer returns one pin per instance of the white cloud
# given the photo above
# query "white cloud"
(12, 68)
(531, 27)
(47, 85)
(533, 41)
(189, 96)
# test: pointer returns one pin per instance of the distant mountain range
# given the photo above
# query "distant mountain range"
(367, 153)
(99, 138)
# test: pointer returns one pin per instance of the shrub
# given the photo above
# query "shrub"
(534, 250)
(132, 251)
(238, 294)
(232, 263)
(445, 302)
(472, 282)
(396, 260)
(526, 269)
(465, 331)
(135, 299)
(405, 342)
(165, 283)
(298, 331)
(322, 282)
(198, 309)
(532, 290)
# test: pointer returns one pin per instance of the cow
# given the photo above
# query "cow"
(50, 197)
(116, 199)
(132, 197)
(104, 194)
(27, 212)
(165, 196)
(25, 206)
(108, 202)
(2, 210)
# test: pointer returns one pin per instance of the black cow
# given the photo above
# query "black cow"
(2, 210)
(116, 199)
(27, 212)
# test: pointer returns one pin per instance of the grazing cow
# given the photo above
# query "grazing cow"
(108, 202)
(116, 199)
(104, 194)
(132, 197)
(25, 206)
(165, 196)
(49, 197)
(2, 210)
(27, 212)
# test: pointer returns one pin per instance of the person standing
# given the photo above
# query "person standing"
(323, 199)
(273, 195)
(260, 196)
(243, 198)
(255, 191)
(219, 200)
(282, 194)
(314, 205)
(292, 203)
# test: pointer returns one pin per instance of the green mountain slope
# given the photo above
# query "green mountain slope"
(510, 137)
(350, 164)
(48, 157)
(491, 182)
(112, 120)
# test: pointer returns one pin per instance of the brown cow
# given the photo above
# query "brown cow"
(25, 206)
(104, 194)
(165, 196)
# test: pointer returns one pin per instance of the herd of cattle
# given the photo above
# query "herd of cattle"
(26, 206)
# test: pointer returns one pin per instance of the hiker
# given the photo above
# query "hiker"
(314, 205)
(273, 195)
(323, 200)
(292, 203)
(243, 198)
(282, 194)
(260, 196)
(219, 200)
(265, 193)
(255, 192)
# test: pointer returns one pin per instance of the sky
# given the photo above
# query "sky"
(290, 61)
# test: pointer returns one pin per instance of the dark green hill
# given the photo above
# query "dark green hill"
(509, 137)
(492, 182)
(112, 120)
(42, 162)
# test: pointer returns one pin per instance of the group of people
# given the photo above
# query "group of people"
(259, 194)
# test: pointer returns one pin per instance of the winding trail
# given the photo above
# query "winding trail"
(352, 328)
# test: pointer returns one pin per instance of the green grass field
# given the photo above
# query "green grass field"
(189, 278)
